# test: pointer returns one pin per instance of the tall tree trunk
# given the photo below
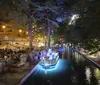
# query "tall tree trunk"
(30, 33)
(44, 35)
(49, 32)
(45, 42)
(48, 45)
(45, 39)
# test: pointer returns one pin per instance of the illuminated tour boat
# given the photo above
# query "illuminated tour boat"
(48, 58)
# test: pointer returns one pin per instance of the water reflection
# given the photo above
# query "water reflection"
(82, 72)
(74, 79)
(97, 75)
(86, 73)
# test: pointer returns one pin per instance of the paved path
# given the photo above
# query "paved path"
(11, 78)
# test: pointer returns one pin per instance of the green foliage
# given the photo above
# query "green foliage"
(87, 27)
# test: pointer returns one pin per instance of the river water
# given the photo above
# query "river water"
(64, 73)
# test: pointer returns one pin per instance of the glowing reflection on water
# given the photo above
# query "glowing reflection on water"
(88, 74)
(97, 75)
(86, 71)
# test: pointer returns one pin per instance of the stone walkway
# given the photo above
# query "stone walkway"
(14, 77)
